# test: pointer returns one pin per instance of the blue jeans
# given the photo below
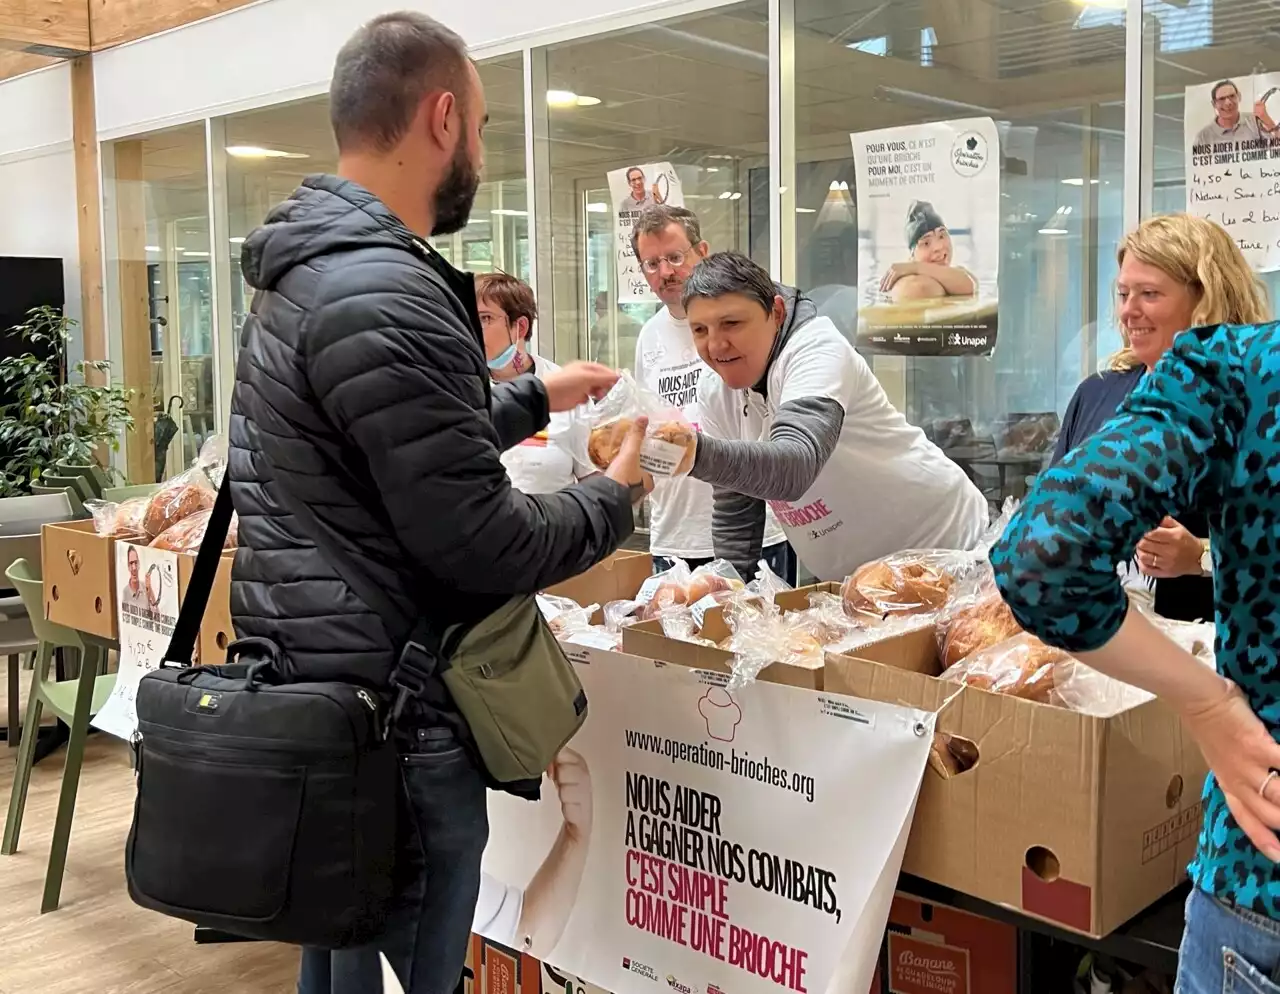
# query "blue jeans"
(1227, 951)
(425, 940)
(781, 559)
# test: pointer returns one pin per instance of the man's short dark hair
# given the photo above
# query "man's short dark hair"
(1213, 96)
(385, 70)
(729, 272)
(634, 169)
(655, 220)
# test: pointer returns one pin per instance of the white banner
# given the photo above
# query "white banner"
(632, 190)
(691, 840)
(928, 199)
(146, 609)
(1233, 162)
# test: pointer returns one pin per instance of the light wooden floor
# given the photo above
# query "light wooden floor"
(98, 941)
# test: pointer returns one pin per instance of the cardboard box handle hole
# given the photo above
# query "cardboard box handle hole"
(53, 592)
(97, 605)
(1174, 794)
(1043, 863)
(952, 755)
(221, 640)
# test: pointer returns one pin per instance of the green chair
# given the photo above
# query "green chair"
(78, 484)
(96, 476)
(121, 494)
(73, 498)
(74, 702)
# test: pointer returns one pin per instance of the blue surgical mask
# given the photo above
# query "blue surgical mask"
(504, 359)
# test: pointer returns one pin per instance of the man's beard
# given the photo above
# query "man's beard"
(456, 195)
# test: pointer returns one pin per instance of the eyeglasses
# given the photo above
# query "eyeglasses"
(487, 319)
(673, 259)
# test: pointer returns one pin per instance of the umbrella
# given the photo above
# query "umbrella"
(166, 428)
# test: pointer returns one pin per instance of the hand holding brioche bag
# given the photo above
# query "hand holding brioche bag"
(670, 443)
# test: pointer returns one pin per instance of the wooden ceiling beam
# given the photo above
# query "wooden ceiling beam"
(51, 28)
(114, 22)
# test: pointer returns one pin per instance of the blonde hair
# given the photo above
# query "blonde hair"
(1201, 256)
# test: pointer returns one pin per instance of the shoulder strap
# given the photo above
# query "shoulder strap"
(186, 629)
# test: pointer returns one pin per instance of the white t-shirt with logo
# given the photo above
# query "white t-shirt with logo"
(555, 457)
(886, 488)
(667, 364)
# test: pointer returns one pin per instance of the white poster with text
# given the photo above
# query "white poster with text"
(692, 840)
(146, 610)
(928, 200)
(1233, 162)
(632, 190)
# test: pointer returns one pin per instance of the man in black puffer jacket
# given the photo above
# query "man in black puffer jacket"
(362, 395)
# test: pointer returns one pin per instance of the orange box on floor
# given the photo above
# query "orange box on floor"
(1074, 819)
(934, 949)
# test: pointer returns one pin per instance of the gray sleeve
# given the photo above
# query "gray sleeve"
(737, 530)
(783, 467)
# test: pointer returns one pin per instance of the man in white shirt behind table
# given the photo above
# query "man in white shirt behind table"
(668, 243)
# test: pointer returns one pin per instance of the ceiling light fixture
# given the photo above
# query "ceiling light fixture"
(196, 255)
(597, 208)
(508, 212)
(806, 210)
(726, 195)
(567, 98)
(735, 196)
(1054, 231)
(153, 248)
(238, 240)
(258, 152)
(1079, 181)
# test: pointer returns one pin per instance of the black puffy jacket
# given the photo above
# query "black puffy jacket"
(362, 391)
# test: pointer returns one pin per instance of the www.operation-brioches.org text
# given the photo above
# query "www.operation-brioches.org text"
(739, 764)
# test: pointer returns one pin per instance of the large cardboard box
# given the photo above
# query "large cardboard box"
(1076, 820)
(617, 578)
(647, 639)
(79, 577)
(216, 631)
(933, 949)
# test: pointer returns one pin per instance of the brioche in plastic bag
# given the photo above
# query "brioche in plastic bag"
(178, 498)
(188, 534)
(122, 520)
(670, 443)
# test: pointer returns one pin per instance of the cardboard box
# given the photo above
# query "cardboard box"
(216, 631)
(646, 639)
(934, 949)
(1076, 820)
(617, 578)
(79, 577)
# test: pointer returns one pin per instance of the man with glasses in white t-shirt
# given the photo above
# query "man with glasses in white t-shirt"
(668, 243)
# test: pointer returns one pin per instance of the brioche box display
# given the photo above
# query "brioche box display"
(1074, 819)
(617, 578)
(647, 639)
(216, 631)
(78, 567)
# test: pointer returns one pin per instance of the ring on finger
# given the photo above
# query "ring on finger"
(1266, 782)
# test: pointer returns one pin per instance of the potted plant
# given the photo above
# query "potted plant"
(51, 418)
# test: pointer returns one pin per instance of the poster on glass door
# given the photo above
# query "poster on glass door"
(928, 201)
(632, 189)
(1233, 161)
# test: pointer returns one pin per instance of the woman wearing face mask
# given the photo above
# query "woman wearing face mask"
(930, 274)
(1176, 272)
(557, 456)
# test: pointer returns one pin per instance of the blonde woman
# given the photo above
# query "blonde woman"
(1176, 272)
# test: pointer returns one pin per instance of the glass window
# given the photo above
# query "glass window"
(691, 92)
(1054, 85)
(269, 151)
(1225, 48)
(156, 208)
